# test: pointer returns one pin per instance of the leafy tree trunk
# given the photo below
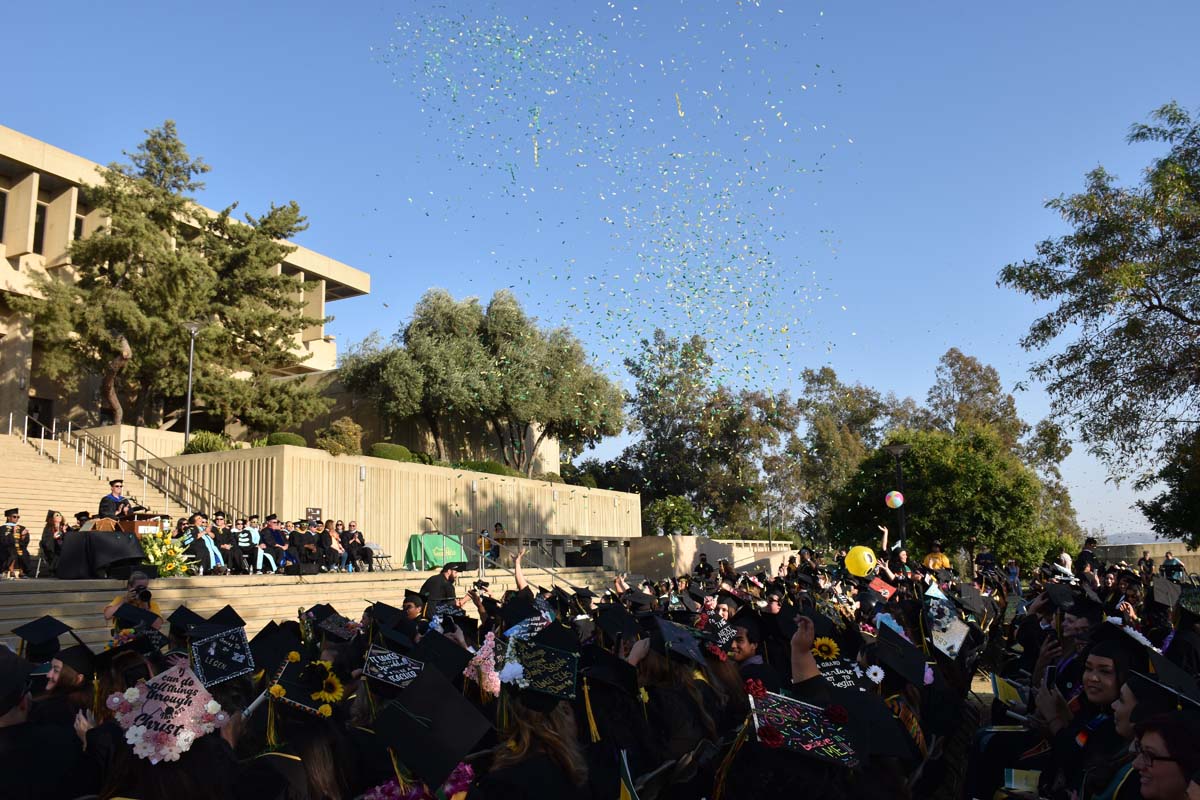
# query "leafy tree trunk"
(109, 386)
(501, 441)
(436, 431)
(533, 452)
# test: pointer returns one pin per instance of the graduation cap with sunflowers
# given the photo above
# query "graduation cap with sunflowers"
(308, 685)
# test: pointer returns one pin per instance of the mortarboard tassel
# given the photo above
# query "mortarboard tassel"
(403, 784)
(587, 704)
(96, 705)
(272, 740)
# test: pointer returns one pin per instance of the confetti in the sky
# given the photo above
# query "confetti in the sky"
(662, 156)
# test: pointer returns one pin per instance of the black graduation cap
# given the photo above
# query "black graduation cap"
(1166, 592)
(639, 602)
(548, 674)
(559, 637)
(470, 629)
(14, 679)
(597, 664)
(134, 617)
(389, 668)
(338, 627)
(519, 608)
(1107, 635)
(560, 600)
(1060, 595)
(430, 727)
(781, 626)
(385, 615)
(80, 658)
(395, 639)
(40, 638)
(749, 619)
(437, 651)
(945, 575)
(689, 604)
(873, 729)
(617, 623)
(222, 657)
(227, 618)
(675, 640)
(1084, 606)
(260, 646)
(726, 599)
(696, 592)
(308, 686)
(584, 593)
(183, 618)
(1175, 679)
(320, 611)
(972, 599)
(901, 656)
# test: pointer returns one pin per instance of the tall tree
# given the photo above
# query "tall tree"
(1123, 334)
(161, 260)
(1174, 513)
(965, 390)
(964, 487)
(493, 367)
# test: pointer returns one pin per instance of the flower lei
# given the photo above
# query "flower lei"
(156, 746)
(754, 687)
(716, 652)
(456, 785)
(122, 636)
(837, 714)
(482, 667)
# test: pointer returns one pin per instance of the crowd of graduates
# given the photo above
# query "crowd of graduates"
(838, 680)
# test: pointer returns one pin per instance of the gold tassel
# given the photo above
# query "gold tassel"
(272, 740)
(97, 706)
(402, 784)
(370, 699)
(727, 762)
(587, 704)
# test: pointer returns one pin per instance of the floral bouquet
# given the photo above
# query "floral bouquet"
(166, 553)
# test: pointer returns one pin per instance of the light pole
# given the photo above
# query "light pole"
(896, 451)
(192, 328)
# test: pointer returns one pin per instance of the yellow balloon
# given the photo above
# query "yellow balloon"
(860, 561)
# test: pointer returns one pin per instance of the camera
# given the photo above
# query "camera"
(144, 595)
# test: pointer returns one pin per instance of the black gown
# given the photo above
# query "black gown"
(536, 778)
(44, 762)
(272, 776)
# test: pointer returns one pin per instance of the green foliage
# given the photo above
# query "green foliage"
(393, 452)
(961, 488)
(967, 391)
(670, 516)
(206, 442)
(343, 437)
(1175, 512)
(1121, 335)
(457, 361)
(490, 467)
(161, 260)
(578, 476)
(549, 477)
(281, 437)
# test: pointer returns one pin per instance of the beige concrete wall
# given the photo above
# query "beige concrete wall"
(120, 438)
(661, 557)
(1130, 553)
(391, 500)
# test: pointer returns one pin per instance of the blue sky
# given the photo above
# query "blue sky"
(921, 142)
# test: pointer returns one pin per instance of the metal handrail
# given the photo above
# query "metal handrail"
(191, 494)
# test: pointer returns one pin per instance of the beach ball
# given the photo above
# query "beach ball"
(860, 561)
(894, 499)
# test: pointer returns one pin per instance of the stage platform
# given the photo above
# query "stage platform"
(258, 598)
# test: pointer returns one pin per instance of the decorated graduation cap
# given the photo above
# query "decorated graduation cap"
(306, 685)
(430, 727)
(558, 636)
(319, 612)
(539, 675)
(163, 717)
(338, 627)
(972, 600)
(1165, 592)
(39, 638)
(804, 729)
(222, 656)
(901, 656)
(384, 614)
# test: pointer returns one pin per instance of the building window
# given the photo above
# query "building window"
(78, 227)
(39, 229)
(3, 205)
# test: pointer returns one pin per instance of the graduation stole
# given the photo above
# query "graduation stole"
(908, 719)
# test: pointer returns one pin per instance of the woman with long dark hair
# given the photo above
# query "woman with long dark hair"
(50, 546)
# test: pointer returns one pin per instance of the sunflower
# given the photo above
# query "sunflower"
(331, 689)
(293, 657)
(825, 648)
(277, 691)
(325, 710)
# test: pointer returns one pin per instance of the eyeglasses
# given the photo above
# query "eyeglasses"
(1150, 758)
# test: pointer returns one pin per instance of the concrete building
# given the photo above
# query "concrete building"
(42, 211)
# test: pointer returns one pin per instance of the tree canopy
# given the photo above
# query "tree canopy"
(456, 361)
(161, 260)
(1122, 335)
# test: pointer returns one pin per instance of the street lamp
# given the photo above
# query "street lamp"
(192, 328)
(897, 450)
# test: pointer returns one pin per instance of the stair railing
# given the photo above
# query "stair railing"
(174, 482)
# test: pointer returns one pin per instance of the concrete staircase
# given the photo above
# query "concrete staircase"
(38, 481)
(257, 598)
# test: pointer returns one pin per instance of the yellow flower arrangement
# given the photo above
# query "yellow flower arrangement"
(324, 710)
(825, 648)
(331, 688)
(277, 691)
